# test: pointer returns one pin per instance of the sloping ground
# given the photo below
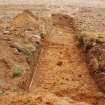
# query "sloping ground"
(91, 24)
(18, 42)
(93, 45)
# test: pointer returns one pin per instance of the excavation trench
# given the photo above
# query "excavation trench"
(60, 66)
(56, 65)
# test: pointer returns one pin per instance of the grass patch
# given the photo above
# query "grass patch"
(88, 38)
(28, 48)
(17, 71)
(101, 37)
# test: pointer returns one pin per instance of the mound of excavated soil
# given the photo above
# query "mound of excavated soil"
(93, 45)
(17, 46)
(96, 61)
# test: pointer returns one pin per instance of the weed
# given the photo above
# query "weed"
(17, 71)
(101, 38)
(83, 39)
(87, 41)
(28, 48)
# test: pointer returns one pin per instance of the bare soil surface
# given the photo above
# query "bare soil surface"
(39, 54)
(62, 70)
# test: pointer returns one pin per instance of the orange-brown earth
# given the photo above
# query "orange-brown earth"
(18, 42)
(60, 76)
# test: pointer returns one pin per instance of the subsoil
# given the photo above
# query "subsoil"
(53, 67)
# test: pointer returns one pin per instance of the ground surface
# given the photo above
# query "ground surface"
(60, 73)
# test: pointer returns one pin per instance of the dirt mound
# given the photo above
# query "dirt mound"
(20, 43)
(93, 45)
(62, 20)
(96, 62)
(24, 19)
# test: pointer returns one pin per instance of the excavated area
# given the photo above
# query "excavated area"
(58, 74)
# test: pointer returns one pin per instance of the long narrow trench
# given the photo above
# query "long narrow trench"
(62, 70)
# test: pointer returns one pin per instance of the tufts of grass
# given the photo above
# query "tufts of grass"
(86, 41)
(28, 48)
(89, 40)
(83, 39)
(17, 71)
(101, 37)
(86, 38)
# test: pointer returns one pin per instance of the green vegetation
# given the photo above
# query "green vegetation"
(87, 38)
(17, 71)
(101, 37)
(28, 48)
